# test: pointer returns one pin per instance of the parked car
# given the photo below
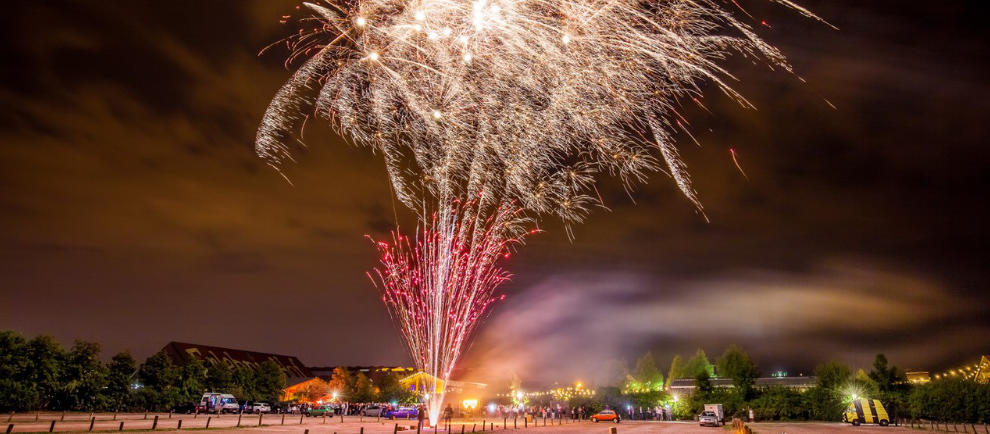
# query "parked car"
(708, 418)
(187, 408)
(223, 402)
(320, 410)
(607, 416)
(864, 410)
(402, 413)
(372, 411)
(257, 407)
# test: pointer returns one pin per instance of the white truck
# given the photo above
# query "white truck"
(222, 402)
(716, 410)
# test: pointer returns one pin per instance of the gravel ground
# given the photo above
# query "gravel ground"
(356, 425)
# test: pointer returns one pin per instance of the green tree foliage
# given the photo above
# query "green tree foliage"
(44, 362)
(738, 366)
(269, 382)
(341, 382)
(779, 403)
(391, 390)
(120, 372)
(17, 388)
(892, 386)
(192, 381)
(828, 399)
(646, 377)
(951, 400)
(82, 379)
(219, 376)
(697, 365)
(159, 378)
(676, 366)
(362, 390)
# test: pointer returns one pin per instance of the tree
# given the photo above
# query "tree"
(646, 377)
(159, 379)
(391, 390)
(219, 376)
(193, 381)
(270, 379)
(121, 370)
(17, 390)
(738, 366)
(82, 379)
(244, 384)
(826, 400)
(886, 377)
(43, 370)
(697, 365)
(676, 368)
(362, 390)
(779, 403)
(340, 382)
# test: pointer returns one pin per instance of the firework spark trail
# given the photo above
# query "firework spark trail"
(512, 98)
(438, 285)
(521, 102)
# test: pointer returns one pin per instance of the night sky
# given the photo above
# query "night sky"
(133, 210)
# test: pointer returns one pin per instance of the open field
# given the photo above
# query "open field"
(228, 423)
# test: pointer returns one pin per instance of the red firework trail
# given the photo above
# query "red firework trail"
(440, 284)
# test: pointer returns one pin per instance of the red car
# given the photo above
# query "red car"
(607, 416)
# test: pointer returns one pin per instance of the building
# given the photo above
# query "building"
(686, 386)
(182, 353)
(918, 377)
(373, 372)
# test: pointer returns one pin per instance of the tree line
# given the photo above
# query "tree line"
(947, 400)
(39, 374)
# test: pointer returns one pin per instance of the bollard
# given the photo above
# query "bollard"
(525, 422)
(179, 425)
(62, 419)
(239, 419)
(92, 420)
(38, 413)
(493, 426)
(170, 414)
(155, 423)
(473, 426)
(10, 428)
(52, 427)
(504, 420)
(396, 429)
(121, 426)
(208, 419)
(613, 430)
(341, 417)
(300, 418)
(483, 424)
(115, 415)
(260, 416)
(514, 426)
(283, 418)
(362, 430)
(307, 431)
(146, 415)
(462, 429)
(418, 426)
(324, 417)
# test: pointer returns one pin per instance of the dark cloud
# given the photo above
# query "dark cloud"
(135, 212)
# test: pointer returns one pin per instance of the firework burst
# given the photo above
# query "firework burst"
(440, 283)
(516, 104)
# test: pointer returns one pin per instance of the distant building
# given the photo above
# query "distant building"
(686, 386)
(182, 353)
(918, 377)
(373, 372)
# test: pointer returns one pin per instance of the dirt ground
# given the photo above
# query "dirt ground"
(80, 422)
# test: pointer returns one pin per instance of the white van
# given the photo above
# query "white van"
(223, 402)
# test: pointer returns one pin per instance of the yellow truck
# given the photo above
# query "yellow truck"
(862, 410)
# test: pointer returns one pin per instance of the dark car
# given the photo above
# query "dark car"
(320, 410)
(187, 408)
(402, 413)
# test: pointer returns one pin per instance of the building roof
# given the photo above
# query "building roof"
(796, 382)
(182, 352)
